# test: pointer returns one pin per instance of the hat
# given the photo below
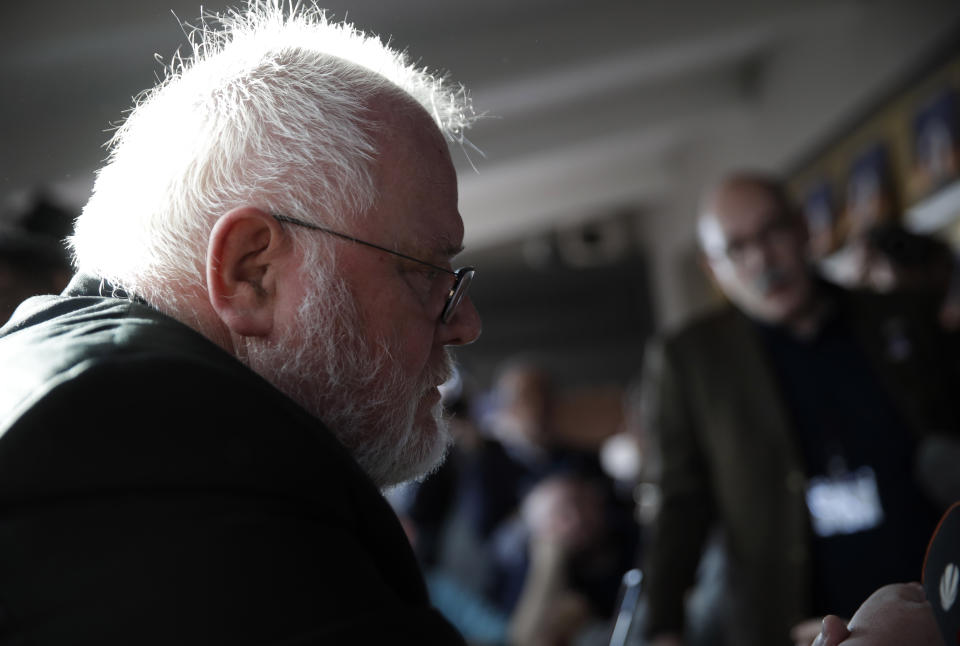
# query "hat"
(34, 236)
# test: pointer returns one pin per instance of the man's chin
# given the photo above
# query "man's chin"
(437, 440)
(432, 464)
(422, 451)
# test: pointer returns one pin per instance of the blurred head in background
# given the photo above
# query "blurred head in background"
(755, 243)
(33, 255)
(524, 399)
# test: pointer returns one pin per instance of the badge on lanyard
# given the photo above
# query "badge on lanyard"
(844, 502)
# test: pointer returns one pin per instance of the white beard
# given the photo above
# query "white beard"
(355, 386)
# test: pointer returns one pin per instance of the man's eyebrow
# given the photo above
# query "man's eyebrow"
(437, 246)
(442, 246)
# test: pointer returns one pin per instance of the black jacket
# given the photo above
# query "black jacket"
(153, 490)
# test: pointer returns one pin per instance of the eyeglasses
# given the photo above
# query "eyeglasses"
(775, 232)
(462, 277)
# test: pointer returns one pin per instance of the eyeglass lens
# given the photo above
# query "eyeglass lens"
(457, 292)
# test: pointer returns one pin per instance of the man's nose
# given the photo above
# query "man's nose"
(757, 255)
(464, 327)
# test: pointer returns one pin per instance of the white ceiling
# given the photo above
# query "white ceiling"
(593, 105)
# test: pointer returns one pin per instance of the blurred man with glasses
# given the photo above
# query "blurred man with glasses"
(194, 435)
(790, 419)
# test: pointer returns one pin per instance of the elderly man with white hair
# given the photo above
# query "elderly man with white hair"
(194, 434)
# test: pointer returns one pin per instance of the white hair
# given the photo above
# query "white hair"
(273, 110)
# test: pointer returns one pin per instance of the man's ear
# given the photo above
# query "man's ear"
(243, 257)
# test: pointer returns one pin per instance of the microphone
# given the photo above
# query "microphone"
(941, 575)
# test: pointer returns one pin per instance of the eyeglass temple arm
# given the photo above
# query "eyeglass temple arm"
(286, 218)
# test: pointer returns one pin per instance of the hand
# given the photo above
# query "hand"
(563, 511)
(806, 631)
(833, 630)
(893, 615)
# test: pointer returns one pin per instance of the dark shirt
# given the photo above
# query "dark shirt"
(844, 421)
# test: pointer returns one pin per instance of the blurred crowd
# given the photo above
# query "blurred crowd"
(524, 534)
(779, 459)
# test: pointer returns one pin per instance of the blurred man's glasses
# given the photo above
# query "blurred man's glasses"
(461, 277)
(775, 232)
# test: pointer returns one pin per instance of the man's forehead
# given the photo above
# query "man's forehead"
(416, 211)
(744, 206)
(432, 237)
(419, 189)
(735, 210)
(444, 243)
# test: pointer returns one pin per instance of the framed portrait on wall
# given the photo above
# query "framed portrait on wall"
(936, 143)
(872, 195)
(820, 211)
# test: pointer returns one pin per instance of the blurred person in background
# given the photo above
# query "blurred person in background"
(33, 252)
(557, 537)
(571, 548)
(194, 436)
(887, 257)
(521, 446)
(897, 259)
(791, 420)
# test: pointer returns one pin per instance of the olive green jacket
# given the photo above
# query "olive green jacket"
(728, 455)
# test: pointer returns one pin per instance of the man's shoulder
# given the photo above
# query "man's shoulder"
(54, 339)
(114, 394)
(702, 348)
(706, 328)
(94, 326)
